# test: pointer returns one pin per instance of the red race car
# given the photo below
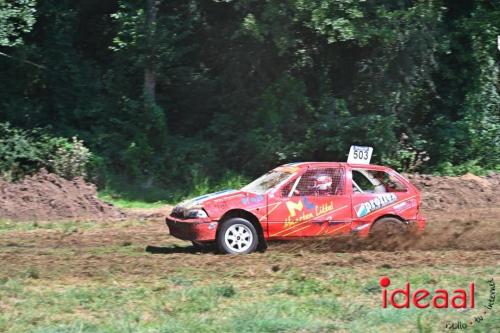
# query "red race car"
(300, 200)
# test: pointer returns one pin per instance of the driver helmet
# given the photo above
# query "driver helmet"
(322, 182)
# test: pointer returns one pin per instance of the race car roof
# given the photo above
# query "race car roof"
(330, 164)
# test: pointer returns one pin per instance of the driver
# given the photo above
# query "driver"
(322, 184)
(384, 182)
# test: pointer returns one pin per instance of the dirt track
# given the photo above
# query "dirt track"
(91, 271)
(138, 249)
(463, 229)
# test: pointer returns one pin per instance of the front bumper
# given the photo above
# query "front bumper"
(193, 229)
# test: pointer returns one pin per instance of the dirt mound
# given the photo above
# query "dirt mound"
(46, 196)
(451, 193)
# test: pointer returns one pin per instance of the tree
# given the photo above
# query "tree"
(16, 17)
(176, 92)
(150, 62)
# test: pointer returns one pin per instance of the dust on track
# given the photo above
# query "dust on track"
(478, 231)
(147, 249)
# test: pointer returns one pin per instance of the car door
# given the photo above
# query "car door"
(374, 193)
(313, 204)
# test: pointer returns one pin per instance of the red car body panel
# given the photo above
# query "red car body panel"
(285, 217)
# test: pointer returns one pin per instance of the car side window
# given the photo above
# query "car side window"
(320, 182)
(373, 181)
(285, 191)
(360, 182)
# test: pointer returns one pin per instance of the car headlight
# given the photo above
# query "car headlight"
(195, 213)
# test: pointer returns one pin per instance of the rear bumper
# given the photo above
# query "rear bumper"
(418, 225)
(192, 230)
(415, 226)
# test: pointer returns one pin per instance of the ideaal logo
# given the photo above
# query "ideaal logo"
(380, 201)
(460, 299)
(421, 298)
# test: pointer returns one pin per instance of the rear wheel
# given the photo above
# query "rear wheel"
(237, 236)
(389, 233)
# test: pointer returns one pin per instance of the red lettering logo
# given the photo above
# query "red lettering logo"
(422, 298)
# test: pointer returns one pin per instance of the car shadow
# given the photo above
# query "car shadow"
(176, 249)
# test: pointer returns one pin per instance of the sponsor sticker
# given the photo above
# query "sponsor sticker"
(252, 200)
(376, 203)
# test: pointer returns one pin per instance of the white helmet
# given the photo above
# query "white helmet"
(322, 182)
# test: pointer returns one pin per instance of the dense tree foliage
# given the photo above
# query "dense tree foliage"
(16, 17)
(168, 92)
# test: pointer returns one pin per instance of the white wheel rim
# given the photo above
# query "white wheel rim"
(238, 237)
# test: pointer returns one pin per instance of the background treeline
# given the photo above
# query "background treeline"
(182, 94)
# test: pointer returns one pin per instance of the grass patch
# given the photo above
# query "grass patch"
(286, 315)
(64, 226)
(172, 304)
(298, 284)
(131, 250)
(98, 286)
(122, 202)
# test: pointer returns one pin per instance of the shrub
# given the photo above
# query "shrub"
(408, 155)
(24, 152)
(19, 153)
(70, 159)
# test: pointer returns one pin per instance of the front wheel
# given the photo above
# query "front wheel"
(237, 236)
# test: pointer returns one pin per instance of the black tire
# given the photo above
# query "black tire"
(262, 246)
(237, 236)
(389, 233)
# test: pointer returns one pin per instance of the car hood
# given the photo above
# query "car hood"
(218, 203)
(202, 199)
(205, 200)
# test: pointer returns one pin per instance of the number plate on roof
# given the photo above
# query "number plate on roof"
(360, 155)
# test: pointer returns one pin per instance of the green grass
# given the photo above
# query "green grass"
(218, 304)
(64, 226)
(102, 286)
(121, 202)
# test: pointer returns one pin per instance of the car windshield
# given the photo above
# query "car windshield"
(268, 181)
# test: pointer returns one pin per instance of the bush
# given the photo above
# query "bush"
(24, 152)
(408, 155)
(70, 159)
